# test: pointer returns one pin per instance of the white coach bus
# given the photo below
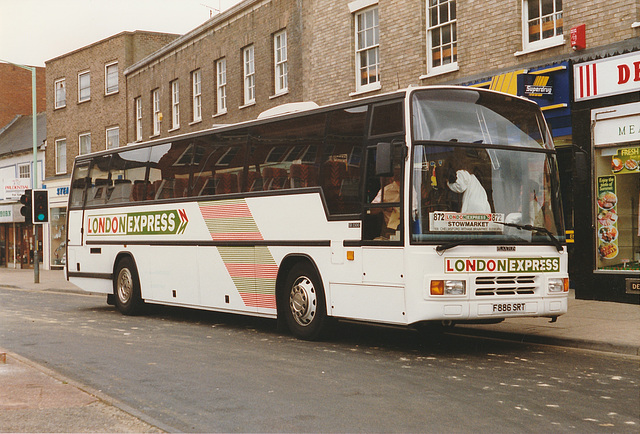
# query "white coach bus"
(422, 206)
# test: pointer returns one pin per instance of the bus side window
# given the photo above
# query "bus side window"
(175, 168)
(341, 170)
(100, 181)
(79, 185)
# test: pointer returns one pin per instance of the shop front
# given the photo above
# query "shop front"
(56, 232)
(17, 241)
(607, 114)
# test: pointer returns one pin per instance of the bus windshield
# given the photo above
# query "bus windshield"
(482, 172)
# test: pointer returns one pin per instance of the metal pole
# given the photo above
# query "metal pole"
(34, 110)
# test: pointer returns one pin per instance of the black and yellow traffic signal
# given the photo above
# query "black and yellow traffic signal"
(40, 206)
(26, 207)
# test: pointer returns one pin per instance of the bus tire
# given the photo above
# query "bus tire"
(126, 287)
(303, 302)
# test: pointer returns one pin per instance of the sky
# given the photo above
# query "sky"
(34, 31)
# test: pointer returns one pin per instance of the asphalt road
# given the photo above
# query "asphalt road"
(205, 372)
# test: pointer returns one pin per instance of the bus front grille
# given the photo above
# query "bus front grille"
(505, 285)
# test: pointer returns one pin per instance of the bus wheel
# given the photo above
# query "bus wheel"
(126, 287)
(305, 309)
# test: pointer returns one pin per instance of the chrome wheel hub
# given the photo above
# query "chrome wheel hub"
(125, 285)
(303, 301)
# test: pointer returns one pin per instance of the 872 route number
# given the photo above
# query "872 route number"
(508, 307)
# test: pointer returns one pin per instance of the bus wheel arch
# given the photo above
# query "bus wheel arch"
(126, 285)
(301, 298)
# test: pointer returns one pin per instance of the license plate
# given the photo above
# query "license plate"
(499, 308)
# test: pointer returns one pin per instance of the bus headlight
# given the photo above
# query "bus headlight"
(557, 285)
(448, 287)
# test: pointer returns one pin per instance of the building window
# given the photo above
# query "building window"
(61, 156)
(249, 75)
(157, 115)
(196, 89)
(367, 50)
(221, 85)
(442, 38)
(113, 137)
(542, 24)
(24, 171)
(138, 105)
(280, 61)
(61, 93)
(85, 143)
(84, 86)
(111, 78)
(175, 105)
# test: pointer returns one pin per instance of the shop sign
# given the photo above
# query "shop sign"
(607, 231)
(611, 76)
(167, 222)
(617, 130)
(16, 187)
(535, 86)
(10, 214)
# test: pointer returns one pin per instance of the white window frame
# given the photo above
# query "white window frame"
(157, 115)
(60, 87)
(61, 156)
(542, 43)
(365, 47)
(138, 109)
(249, 72)
(175, 105)
(87, 97)
(281, 84)
(221, 86)
(24, 171)
(84, 138)
(450, 23)
(108, 132)
(196, 87)
(109, 77)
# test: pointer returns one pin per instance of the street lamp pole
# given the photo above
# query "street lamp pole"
(34, 109)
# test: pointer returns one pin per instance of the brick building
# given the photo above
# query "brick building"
(221, 72)
(15, 92)
(86, 110)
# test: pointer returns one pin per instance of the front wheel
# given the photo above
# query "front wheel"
(303, 302)
(126, 287)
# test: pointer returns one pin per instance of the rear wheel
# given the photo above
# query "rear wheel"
(126, 287)
(303, 302)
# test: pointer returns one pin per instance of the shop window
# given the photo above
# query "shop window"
(58, 232)
(617, 208)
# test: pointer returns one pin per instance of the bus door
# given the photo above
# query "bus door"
(382, 233)
(76, 204)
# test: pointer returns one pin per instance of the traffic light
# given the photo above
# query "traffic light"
(25, 209)
(40, 206)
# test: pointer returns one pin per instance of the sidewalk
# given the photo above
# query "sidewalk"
(35, 399)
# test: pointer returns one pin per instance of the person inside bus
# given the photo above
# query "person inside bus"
(390, 193)
(474, 196)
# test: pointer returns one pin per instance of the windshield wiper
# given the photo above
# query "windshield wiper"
(556, 243)
(442, 247)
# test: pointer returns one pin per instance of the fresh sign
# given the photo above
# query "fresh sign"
(165, 222)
